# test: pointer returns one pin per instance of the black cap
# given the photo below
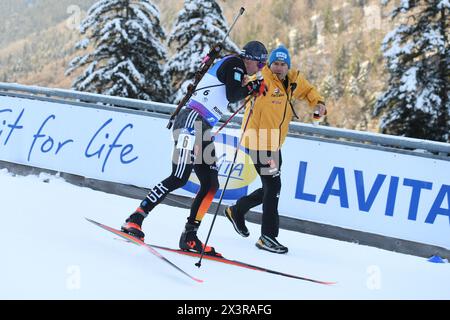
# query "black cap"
(254, 50)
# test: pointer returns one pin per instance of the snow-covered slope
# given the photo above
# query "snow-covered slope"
(50, 251)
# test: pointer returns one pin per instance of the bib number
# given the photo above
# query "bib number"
(186, 141)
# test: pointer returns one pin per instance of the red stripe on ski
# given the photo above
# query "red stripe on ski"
(141, 243)
(221, 259)
(241, 264)
(208, 257)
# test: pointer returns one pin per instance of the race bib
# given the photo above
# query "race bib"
(186, 141)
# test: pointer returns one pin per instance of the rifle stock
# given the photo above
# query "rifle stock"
(206, 64)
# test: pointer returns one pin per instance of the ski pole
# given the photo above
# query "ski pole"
(232, 116)
(241, 12)
(206, 64)
(199, 263)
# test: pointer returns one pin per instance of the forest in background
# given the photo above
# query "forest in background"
(335, 44)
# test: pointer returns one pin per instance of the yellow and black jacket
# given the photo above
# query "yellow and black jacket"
(269, 122)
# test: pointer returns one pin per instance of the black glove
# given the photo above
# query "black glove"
(257, 87)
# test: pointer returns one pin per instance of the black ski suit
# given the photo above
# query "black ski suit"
(202, 158)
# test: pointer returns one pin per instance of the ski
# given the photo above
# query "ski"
(141, 243)
(240, 264)
(220, 258)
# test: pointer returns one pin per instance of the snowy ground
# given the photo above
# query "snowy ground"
(49, 251)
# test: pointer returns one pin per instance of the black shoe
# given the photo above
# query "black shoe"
(238, 222)
(270, 244)
(190, 242)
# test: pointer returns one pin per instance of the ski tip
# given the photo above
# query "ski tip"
(328, 283)
(92, 221)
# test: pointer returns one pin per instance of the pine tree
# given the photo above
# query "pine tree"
(341, 70)
(199, 25)
(417, 100)
(127, 55)
(329, 87)
(313, 36)
(328, 19)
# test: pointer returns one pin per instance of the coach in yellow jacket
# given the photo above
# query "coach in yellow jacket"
(268, 125)
(264, 135)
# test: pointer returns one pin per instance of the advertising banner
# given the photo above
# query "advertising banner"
(377, 191)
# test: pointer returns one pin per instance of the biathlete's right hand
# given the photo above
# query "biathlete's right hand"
(257, 88)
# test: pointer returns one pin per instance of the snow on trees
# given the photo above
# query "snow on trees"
(417, 53)
(126, 55)
(199, 25)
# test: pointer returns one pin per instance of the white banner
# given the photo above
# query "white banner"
(112, 146)
(387, 193)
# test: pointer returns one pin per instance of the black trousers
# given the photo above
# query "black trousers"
(200, 158)
(268, 165)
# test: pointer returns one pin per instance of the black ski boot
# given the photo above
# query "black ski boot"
(133, 225)
(190, 242)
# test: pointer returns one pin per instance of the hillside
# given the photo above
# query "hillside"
(336, 45)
